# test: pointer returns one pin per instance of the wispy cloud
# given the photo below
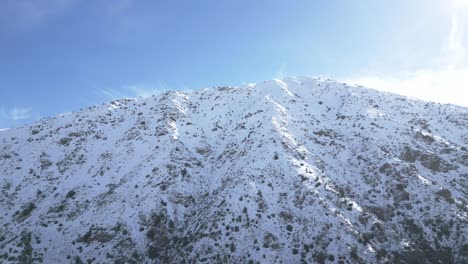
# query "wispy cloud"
(455, 44)
(455, 51)
(131, 91)
(113, 94)
(18, 113)
(122, 17)
(444, 82)
(118, 7)
(142, 91)
(28, 14)
(3, 114)
(280, 73)
(24, 14)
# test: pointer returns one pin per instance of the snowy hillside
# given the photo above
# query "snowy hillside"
(285, 171)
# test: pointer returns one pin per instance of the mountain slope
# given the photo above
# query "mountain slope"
(291, 170)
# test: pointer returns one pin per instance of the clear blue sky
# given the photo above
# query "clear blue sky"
(59, 56)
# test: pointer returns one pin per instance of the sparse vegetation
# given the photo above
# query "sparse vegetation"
(204, 177)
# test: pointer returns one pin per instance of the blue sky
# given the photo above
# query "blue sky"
(59, 56)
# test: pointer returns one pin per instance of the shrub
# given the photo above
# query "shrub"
(353, 253)
(26, 211)
(447, 195)
(320, 257)
(232, 247)
(64, 141)
(6, 156)
(71, 194)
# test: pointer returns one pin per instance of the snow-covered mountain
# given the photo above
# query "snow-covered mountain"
(285, 171)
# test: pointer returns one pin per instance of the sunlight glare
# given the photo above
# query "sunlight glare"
(461, 4)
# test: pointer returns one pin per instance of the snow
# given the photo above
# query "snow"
(310, 153)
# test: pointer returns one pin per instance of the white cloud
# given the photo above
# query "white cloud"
(442, 86)
(447, 82)
(18, 113)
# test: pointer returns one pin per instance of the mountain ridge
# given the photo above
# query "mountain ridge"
(284, 171)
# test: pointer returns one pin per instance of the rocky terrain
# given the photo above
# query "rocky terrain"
(297, 170)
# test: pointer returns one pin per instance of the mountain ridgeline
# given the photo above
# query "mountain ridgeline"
(293, 170)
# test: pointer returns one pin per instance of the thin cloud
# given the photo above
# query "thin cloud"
(113, 94)
(118, 7)
(456, 36)
(141, 91)
(25, 14)
(280, 72)
(455, 54)
(18, 113)
(132, 91)
(3, 113)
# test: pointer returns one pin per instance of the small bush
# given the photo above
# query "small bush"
(353, 253)
(232, 247)
(447, 195)
(64, 141)
(26, 211)
(71, 194)
(320, 257)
